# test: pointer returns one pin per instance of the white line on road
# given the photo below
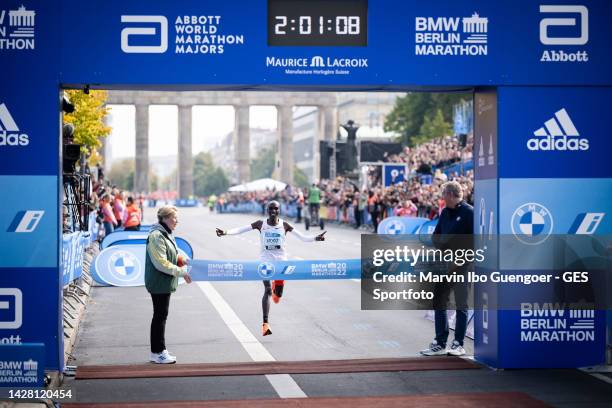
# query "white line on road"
(283, 384)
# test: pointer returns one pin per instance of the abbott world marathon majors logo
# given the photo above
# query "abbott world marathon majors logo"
(558, 134)
(550, 323)
(532, 223)
(317, 65)
(458, 36)
(564, 29)
(17, 29)
(192, 35)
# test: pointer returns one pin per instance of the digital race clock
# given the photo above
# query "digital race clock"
(318, 22)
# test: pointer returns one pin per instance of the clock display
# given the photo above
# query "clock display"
(318, 23)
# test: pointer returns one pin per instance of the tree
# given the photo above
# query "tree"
(410, 112)
(207, 178)
(433, 127)
(262, 166)
(88, 119)
(299, 178)
(122, 174)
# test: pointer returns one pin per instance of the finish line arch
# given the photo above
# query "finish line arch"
(533, 79)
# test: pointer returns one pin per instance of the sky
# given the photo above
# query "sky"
(209, 125)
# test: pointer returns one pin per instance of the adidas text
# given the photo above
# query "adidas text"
(562, 56)
(13, 139)
(559, 143)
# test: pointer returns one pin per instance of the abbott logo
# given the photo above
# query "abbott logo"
(558, 133)
(144, 31)
(553, 22)
(26, 221)
(9, 131)
(16, 298)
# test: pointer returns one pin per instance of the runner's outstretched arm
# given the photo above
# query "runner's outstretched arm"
(235, 231)
(305, 238)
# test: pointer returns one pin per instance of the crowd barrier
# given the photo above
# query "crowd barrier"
(73, 246)
(140, 237)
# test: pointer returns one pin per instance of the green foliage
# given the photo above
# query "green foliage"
(411, 112)
(207, 178)
(433, 127)
(299, 177)
(263, 165)
(122, 174)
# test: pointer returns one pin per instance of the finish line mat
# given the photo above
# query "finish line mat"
(275, 367)
(480, 400)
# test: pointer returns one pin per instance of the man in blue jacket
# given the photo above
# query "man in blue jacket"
(454, 231)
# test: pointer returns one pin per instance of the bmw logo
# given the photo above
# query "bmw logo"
(266, 270)
(395, 228)
(532, 223)
(124, 266)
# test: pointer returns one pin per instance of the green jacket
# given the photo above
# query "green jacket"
(161, 269)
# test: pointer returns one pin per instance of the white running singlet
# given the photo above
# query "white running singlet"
(272, 239)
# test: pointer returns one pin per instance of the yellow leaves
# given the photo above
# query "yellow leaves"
(88, 118)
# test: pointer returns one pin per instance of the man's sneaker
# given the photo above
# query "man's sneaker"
(168, 355)
(162, 358)
(434, 350)
(456, 349)
(265, 329)
(277, 291)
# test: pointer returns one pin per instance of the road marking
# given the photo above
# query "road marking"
(602, 377)
(283, 384)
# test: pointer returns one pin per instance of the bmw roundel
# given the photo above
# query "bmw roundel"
(266, 270)
(394, 228)
(125, 267)
(532, 223)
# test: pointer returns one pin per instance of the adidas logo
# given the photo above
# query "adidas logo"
(9, 131)
(558, 133)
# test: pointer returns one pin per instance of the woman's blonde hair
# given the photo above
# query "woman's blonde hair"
(166, 211)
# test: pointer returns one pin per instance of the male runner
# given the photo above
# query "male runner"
(272, 237)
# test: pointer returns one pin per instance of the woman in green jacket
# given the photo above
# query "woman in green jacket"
(163, 267)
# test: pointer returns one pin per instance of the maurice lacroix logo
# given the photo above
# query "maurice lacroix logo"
(10, 135)
(451, 35)
(574, 34)
(17, 33)
(317, 65)
(558, 134)
(192, 35)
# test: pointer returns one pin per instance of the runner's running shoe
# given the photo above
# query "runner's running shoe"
(277, 290)
(265, 329)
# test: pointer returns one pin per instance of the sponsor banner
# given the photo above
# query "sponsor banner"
(22, 365)
(542, 336)
(357, 43)
(73, 247)
(22, 292)
(554, 132)
(401, 225)
(124, 266)
(186, 203)
(485, 134)
(29, 221)
(140, 237)
(394, 173)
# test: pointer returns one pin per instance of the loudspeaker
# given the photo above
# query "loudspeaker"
(71, 155)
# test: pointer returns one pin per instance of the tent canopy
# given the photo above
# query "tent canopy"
(260, 185)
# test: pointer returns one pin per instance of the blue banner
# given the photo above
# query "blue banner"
(73, 248)
(124, 266)
(23, 365)
(140, 237)
(401, 225)
(394, 173)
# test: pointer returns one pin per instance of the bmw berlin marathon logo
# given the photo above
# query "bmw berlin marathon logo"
(125, 267)
(265, 270)
(532, 223)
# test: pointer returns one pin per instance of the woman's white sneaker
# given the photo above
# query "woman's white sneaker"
(162, 358)
(456, 349)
